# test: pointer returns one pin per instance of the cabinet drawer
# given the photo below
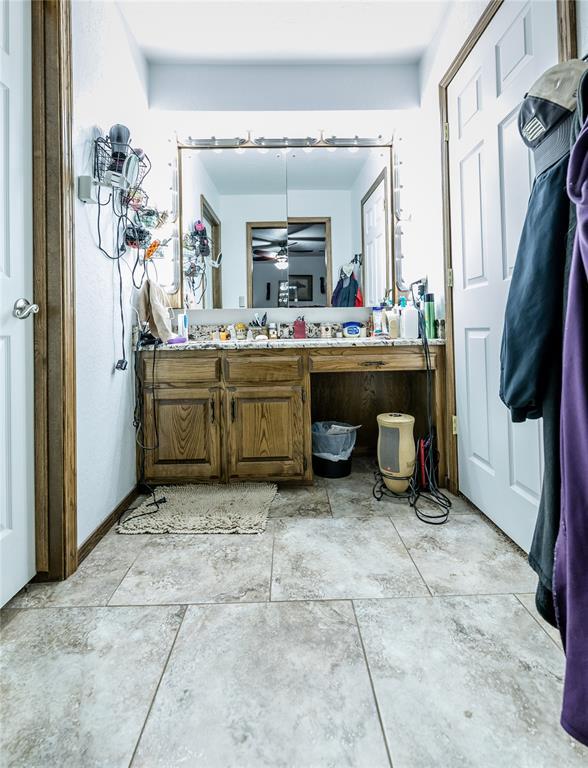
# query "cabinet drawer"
(411, 359)
(180, 369)
(262, 368)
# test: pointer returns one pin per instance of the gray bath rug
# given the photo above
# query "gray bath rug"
(238, 508)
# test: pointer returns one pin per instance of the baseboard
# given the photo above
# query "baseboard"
(88, 545)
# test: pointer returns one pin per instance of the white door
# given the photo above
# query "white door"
(491, 171)
(17, 532)
(374, 246)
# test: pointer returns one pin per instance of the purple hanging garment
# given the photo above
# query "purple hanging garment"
(571, 551)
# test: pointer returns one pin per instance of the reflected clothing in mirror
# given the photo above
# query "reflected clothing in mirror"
(347, 292)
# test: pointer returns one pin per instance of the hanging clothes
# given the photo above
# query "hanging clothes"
(530, 375)
(571, 554)
(345, 292)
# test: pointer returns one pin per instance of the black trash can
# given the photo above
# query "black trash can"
(332, 446)
(329, 468)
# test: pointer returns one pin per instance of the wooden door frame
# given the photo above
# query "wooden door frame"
(390, 264)
(54, 291)
(567, 48)
(326, 220)
(207, 211)
(251, 225)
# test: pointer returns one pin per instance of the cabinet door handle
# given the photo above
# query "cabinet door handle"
(233, 409)
(212, 410)
(372, 363)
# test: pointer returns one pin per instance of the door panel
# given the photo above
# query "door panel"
(516, 176)
(500, 464)
(17, 531)
(266, 435)
(374, 244)
(182, 430)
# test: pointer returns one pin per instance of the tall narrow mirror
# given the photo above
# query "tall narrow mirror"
(343, 195)
(230, 192)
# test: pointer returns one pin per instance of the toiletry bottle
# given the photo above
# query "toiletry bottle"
(429, 310)
(409, 322)
(393, 319)
(377, 320)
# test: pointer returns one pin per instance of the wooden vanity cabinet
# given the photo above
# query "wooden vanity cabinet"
(229, 415)
(265, 432)
(182, 431)
(225, 416)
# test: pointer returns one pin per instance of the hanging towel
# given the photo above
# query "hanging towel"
(153, 307)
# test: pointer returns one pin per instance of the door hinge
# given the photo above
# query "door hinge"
(303, 395)
(445, 131)
(450, 278)
(304, 463)
(454, 425)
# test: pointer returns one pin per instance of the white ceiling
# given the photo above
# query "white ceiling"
(283, 31)
(250, 172)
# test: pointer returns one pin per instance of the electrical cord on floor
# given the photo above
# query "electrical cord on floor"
(427, 490)
(138, 423)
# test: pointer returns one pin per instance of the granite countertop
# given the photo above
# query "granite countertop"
(379, 341)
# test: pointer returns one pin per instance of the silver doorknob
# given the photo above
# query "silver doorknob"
(23, 308)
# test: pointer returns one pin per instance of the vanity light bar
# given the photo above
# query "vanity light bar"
(213, 143)
(273, 143)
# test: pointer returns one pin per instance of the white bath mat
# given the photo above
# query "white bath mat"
(238, 508)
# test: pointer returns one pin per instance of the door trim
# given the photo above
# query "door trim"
(390, 278)
(54, 292)
(567, 46)
(207, 211)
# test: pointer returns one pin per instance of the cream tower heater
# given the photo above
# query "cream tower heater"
(396, 450)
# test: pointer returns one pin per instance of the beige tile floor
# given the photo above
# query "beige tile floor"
(348, 634)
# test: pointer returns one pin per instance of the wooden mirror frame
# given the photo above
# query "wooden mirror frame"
(176, 300)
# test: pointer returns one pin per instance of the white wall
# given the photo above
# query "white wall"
(282, 87)
(235, 212)
(106, 89)
(582, 25)
(420, 152)
(334, 203)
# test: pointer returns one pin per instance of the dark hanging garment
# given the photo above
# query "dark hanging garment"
(345, 292)
(530, 375)
(531, 353)
(571, 555)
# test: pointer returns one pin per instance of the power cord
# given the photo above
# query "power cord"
(138, 423)
(416, 490)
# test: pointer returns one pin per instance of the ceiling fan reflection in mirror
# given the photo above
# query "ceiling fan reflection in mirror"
(274, 244)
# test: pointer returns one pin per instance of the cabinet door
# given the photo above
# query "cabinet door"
(182, 434)
(266, 435)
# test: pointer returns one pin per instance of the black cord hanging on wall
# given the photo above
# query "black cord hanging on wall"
(121, 169)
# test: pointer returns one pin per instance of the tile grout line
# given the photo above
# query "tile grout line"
(553, 640)
(163, 671)
(435, 596)
(411, 557)
(376, 702)
(271, 579)
(126, 573)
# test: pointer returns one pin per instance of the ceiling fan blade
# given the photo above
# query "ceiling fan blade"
(261, 254)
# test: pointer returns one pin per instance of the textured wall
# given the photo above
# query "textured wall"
(107, 89)
(282, 87)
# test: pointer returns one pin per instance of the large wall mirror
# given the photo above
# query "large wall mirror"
(281, 226)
